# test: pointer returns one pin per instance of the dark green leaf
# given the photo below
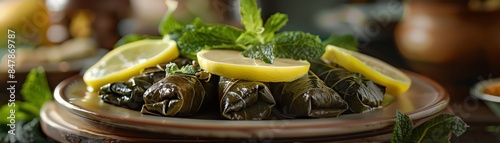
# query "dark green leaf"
(244, 100)
(250, 16)
(35, 89)
(174, 95)
(361, 94)
(344, 41)
(298, 45)
(307, 96)
(132, 38)
(263, 52)
(402, 128)
(274, 24)
(170, 25)
(438, 129)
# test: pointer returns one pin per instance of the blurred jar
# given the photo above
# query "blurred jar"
(451, 41)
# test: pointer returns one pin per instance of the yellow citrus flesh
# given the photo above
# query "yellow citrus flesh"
(128, 60)
(396, 82)
(233, 64)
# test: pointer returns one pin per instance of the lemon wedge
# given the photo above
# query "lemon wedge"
(128, 60)
(233, 64)
(396, 82)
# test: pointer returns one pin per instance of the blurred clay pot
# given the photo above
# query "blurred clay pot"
(451, 42)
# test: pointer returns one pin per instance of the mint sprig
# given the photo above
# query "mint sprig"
(172, 68)
(257, 40)
(435, 130)
(35, 92)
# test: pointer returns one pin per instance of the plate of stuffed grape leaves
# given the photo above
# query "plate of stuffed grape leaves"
(213, 80)
(234, 108)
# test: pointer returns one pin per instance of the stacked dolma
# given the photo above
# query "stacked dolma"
(245, 100)
(308, 96)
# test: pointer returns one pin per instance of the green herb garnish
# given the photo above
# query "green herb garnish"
(36, 92)
(259, 40)
(435, 130)
(172, 68)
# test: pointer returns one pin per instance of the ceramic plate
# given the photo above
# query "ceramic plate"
(424, 98)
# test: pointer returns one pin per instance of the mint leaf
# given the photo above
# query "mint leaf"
(264, 52)
(298, 45)
(248, 38)
(274, 24)
(250, 16)
(438, 128)
(294, 45)
(348, 42)
(35, 92)
(172, 68)
(35, 89)
(198, 36)
(132, 38)
(435, 130)
(170, 25)
(402, 128)
(188, 69)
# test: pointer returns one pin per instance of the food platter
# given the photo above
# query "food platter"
(423, 99)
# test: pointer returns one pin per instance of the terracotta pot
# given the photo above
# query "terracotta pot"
(449, 41)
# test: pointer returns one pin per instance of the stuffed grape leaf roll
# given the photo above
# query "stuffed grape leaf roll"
(174, 95)
(129, 94)
(360, 93)
(307, 96)
(245, 100)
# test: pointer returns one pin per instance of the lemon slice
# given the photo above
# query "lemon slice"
(396, 82)
(233, 64)
(128, 60)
